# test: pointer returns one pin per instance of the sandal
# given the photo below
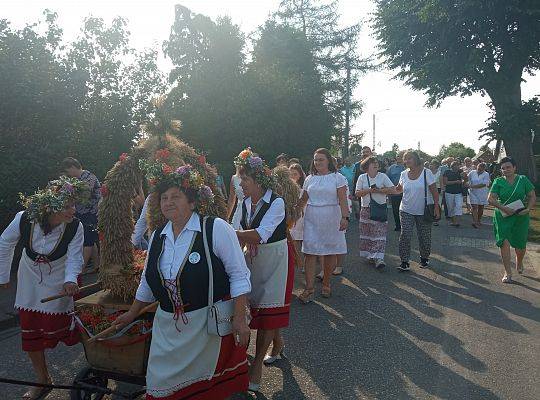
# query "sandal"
(519, 269)
(307, 296)
(37, 393)
(507, 279)
(326, 292)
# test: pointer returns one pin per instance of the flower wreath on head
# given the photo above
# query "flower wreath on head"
(254, 164)
(54, 197)
(184, 177)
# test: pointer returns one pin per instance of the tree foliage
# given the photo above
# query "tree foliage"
(447, 48)
(456, 150)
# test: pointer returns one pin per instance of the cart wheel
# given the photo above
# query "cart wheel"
(87, 375)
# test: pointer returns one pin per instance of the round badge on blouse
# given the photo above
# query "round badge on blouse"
(194, 258)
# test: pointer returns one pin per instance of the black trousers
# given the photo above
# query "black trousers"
(395, 200)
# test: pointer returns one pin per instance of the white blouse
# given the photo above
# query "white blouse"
(322, 189)
(42, 244)
(273, 217)
(224, 244)
(140, 225)
(381, 180)
(475, 179)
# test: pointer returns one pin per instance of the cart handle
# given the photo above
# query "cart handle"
(95, 285)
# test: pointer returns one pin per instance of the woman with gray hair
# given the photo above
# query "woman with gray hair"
(418, 187)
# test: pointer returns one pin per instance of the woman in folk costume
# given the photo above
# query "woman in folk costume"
(188, 359)
(264, 232)
(51, 260)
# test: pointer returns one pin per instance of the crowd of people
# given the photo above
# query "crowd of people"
(245, 265)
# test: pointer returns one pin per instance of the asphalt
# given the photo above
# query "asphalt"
(453, 331)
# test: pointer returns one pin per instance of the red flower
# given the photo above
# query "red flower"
(166, 169)
(162, 154)
(104, 190)
(123, 157)
(202, 159)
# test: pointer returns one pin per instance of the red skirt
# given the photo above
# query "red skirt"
(277, 317)
(40, 331)
(231, 376)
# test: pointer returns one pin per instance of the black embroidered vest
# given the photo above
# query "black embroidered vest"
(26, 227)
(281, 231)
(193, 280)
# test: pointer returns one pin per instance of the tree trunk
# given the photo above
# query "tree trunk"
(517, 141)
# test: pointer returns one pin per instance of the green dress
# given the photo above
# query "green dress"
(515, 228)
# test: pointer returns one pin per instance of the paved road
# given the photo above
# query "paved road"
(450, 332)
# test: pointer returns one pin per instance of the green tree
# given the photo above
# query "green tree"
(333, 47)
(456, 150)
(462, 47)
(286, 94)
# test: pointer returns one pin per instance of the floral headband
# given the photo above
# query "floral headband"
(254, 164)
(55, 197)
(185, 177)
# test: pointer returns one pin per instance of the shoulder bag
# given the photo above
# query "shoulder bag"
(377, 212)
(429, 209)
(220, 314)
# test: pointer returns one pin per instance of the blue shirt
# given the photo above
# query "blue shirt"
(348, 172)
(394, 171)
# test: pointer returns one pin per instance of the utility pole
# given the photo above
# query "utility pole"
(346, 137)
(373, 148)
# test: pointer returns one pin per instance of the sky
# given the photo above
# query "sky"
(401, 114)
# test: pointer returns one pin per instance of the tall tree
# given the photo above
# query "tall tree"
(334, 49)
(462, 47)
(208, 93)
(286, 94)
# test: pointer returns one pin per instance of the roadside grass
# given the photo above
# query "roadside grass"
(534, 227)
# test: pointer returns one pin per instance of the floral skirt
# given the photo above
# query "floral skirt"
(372, 236)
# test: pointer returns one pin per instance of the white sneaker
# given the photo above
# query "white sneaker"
(338, 271)
(320, 276)
(379, 264)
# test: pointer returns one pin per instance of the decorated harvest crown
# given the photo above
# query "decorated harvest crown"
(186, 177)
(55, 197)
(255, 165)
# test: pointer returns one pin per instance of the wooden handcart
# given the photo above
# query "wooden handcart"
(121, 359)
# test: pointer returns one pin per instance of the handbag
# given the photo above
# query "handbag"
(429, 209)
(220, 314)
(377, 212)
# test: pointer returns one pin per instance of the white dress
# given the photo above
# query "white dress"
(323, 214)
(479, 196)
(297, 231)
(237, 216)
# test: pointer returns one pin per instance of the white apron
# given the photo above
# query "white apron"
(179, 359)
(36, 281)
(269, 270)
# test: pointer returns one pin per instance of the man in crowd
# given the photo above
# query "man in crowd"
(282, 160)
(445, 166)
(365, 153)
(87, 212)
(347, 170)
(394, 172)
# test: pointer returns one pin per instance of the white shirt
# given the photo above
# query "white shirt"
(42, 244)
(225, 246)
(273, 217)
(475, 179)
(381, 180)
(322, 189)
(140, 225)
(413, 192)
